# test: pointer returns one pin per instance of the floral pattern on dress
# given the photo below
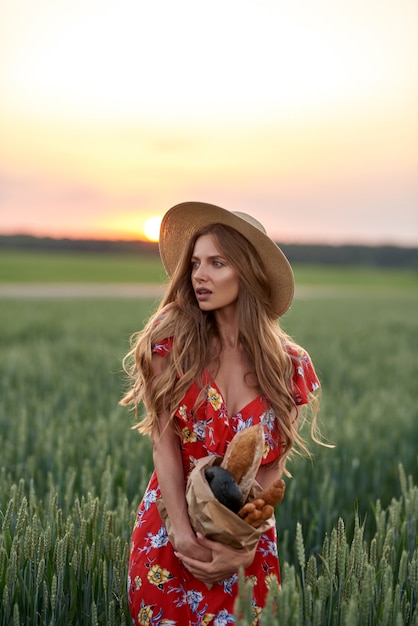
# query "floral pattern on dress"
(161, 591)
(214, 398)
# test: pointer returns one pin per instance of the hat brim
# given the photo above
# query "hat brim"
(182, 221)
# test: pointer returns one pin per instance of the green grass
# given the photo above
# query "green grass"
(70, 267)
(72, 472)
(358, 277)
(67, 267)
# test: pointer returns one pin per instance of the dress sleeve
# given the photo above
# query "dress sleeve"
(305, 380)
(163, 347)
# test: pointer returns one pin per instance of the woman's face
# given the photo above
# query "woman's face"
(215, 282)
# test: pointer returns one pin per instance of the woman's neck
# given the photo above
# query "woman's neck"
(228, 329)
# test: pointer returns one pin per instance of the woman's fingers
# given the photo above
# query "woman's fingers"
(225, 560)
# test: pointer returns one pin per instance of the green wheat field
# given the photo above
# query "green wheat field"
(72, 471)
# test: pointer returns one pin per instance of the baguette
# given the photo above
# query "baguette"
(243, 457)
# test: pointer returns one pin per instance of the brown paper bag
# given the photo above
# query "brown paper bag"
(211, 518)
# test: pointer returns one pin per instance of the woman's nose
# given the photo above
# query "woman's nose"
(200, 273)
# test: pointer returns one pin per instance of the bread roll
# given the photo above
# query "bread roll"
(274, 493)
(255, 513)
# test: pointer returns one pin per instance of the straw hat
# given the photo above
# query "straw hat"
(182, 221)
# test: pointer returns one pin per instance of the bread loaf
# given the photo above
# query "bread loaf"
(243, 457)
(242, 461)
(224, 487)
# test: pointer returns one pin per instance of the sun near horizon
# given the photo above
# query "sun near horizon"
(128, 226)
(152, 228)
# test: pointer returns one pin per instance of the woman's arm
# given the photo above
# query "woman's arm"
(267, 475)
(169, 469)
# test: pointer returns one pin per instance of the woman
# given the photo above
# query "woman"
(211, 361)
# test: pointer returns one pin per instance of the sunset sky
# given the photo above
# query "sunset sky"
(304, 114)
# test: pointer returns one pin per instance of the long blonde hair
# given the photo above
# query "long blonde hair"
(179, 317)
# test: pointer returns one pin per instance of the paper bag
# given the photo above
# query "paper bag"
(211, 518)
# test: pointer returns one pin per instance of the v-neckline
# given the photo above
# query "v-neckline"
(244, 408)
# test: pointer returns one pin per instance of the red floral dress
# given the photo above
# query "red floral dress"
(160, 589)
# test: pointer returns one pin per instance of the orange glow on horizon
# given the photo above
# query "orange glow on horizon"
(144, 226)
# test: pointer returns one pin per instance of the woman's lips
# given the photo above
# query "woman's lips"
(203, 294)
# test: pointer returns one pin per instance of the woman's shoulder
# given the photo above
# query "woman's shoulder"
(296, 352)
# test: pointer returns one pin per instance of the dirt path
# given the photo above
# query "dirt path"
(80, 290)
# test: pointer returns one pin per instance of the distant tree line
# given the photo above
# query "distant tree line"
(28, 242)
(321, 254)
(372, 256)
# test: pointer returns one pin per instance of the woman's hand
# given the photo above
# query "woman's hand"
(224, 561)
(188, 546)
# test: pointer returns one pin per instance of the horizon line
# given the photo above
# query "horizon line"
(150, 243)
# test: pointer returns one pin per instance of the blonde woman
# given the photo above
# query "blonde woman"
(211, 361)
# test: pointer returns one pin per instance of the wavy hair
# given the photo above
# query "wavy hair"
(179, 317)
